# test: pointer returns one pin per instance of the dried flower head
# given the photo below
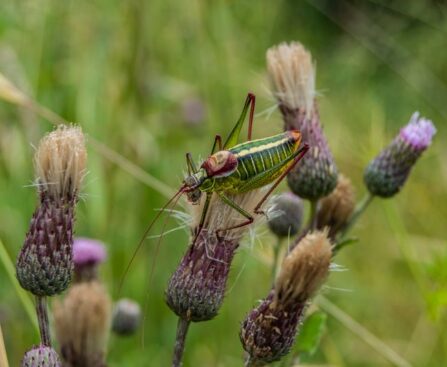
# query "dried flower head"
(126, 317)
(336, 208)
(269, 330)
(60, 162)
(287, 218)
(41, 356)
(386, 174)
(293, 82)
(87, 255)
(82, 322)
(197, 287)
(292, 76)
(45, 265)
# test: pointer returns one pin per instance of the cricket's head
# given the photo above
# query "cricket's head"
(220, 164)
(191, 186)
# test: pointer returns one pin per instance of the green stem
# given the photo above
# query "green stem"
(276, 251)
(360, 208)
(42, 318)
(182, 330)
(313, 215)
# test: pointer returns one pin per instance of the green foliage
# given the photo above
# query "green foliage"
(310, 334)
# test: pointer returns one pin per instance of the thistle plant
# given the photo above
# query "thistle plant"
(292, 76)
(41, 356)
(82, 318)
(45, 263)
(197, 288)
(268, 332)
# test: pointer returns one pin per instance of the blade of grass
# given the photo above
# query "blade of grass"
(23, 296)
(3, 356)
(373, 341)
(10, 93)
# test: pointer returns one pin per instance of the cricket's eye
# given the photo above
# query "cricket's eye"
(221, 164)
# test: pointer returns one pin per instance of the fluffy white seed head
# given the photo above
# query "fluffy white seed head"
(60, 161)
(304, 269)
(292, 75)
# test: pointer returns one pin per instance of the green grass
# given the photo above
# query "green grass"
(123, 69)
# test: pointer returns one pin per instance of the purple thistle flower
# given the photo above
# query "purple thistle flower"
(387, 173)
(87, 255)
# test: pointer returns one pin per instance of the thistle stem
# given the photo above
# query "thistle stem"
(276, 251)
(313, 215)
(42, 318)
(182, 330)
(360, 208)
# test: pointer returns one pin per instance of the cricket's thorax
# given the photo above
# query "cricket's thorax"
(250, 165)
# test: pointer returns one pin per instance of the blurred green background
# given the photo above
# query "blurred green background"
(154, 79)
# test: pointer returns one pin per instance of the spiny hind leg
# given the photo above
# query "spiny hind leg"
(243, 212)
(298, 156)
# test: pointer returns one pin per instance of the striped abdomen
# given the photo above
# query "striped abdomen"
(258, 156)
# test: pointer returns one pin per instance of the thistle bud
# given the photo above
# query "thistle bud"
(126, 317)
(82, 322)
(41, 356)
(386, 174)
(292, 76)
(44, 265)
(197, 287)
(87, 255)
(287, 217)
(336, 208)
(269, 330)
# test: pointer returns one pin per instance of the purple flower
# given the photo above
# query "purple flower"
(387, 173)
(88, 252)
(87, 255)
(418, 133)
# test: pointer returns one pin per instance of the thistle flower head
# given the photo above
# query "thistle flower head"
(45, 264)
(126, 317)
(82, 322)
(87, 255)
(197, 287)
(269, 330)
(387, 173)
(41, 356)
(292, 76)
(288, 217)
(60, 162)
(316, 175)
(336, 208)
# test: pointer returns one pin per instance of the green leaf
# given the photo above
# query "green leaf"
(311, 332)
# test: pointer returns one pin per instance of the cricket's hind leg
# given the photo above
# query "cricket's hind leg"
(243, 212)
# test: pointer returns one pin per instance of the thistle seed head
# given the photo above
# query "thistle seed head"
(197, 288)
(269, 330)
(45, 263)
(82, 322)
(60, 162)
(288, 215)
(292, 76)
(386, 174)
(41, 356)
(336, 208)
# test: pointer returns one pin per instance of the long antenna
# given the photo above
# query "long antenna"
(146, 232)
